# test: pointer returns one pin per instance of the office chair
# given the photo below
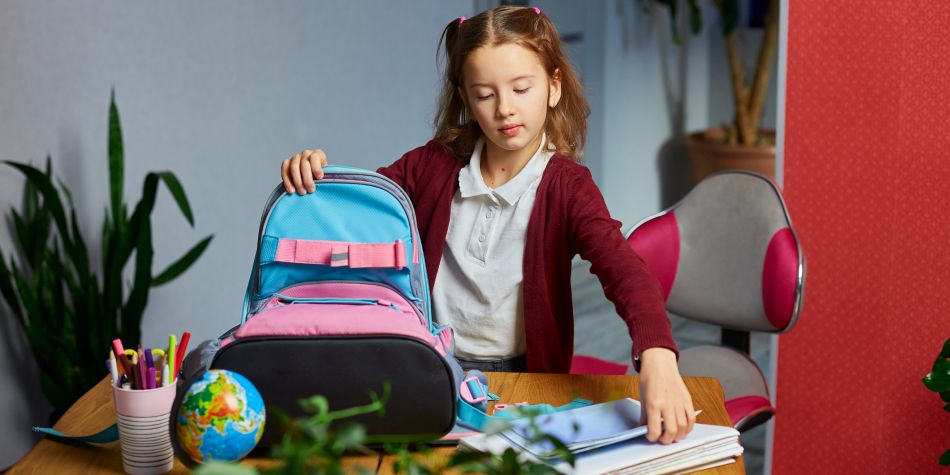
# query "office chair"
(726, 254)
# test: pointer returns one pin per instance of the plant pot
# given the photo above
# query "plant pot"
(709, 153)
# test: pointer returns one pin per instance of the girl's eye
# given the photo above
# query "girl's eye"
(522, 91)
(482, 98)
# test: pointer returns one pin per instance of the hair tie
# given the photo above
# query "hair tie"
(461, 20)
(537, 10)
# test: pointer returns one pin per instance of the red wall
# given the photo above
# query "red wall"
(867, 180)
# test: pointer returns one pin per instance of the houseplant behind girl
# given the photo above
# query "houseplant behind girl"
(503, 206)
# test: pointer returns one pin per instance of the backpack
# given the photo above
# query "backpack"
(338, 304)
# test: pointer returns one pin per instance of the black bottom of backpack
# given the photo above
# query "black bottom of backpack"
(345, 370)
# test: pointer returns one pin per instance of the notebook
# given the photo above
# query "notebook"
(607, 438)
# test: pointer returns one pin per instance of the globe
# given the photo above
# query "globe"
(221, 417)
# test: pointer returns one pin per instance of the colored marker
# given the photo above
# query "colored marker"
(149, 370)
(171, 356)
(143, 372)
(135, 372)
(182, 348)
(119, 351)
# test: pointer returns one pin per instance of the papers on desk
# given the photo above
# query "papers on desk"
(607, 438)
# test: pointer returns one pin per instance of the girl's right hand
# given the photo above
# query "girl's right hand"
(299, 171)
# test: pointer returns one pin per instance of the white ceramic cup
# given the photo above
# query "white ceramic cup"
(143, 417)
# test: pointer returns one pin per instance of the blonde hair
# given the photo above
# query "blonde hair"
(566, 123)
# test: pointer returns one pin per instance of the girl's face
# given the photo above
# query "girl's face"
(508, 92)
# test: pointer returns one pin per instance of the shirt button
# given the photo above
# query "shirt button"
(489, 214)
(481, 238)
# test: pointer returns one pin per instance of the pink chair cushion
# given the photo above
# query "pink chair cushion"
(583, 364)
(657, 241)
(780, 278)
(745, 406)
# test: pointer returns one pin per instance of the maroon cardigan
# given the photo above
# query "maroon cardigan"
(569, 217)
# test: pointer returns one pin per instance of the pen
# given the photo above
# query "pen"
(166, 375)
(170, 356)
(182, 348)
(151, 378)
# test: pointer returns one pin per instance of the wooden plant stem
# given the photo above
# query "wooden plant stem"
(739, 90)
(763, 68)
(748, 104)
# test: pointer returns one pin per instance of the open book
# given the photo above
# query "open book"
(608, 438)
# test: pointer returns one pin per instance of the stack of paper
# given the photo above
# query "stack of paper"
(607, 438)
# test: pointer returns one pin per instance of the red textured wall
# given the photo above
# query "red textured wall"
(867, 179)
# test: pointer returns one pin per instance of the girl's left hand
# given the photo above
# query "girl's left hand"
(667, 407)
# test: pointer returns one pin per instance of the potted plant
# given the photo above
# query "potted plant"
(741, 144)
(938, 381)
(70, 309)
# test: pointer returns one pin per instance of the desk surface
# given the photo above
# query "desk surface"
(95, 411)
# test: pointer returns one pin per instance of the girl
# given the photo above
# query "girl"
(503, 206)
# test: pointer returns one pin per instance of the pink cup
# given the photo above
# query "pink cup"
(143, 417)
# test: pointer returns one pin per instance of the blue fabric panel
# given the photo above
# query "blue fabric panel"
(350, 212)
(268, 249)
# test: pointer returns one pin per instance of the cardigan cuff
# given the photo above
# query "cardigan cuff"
(642, 344)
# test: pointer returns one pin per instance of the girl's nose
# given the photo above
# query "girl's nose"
(504, 106)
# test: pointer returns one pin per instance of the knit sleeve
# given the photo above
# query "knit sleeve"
(627, 282)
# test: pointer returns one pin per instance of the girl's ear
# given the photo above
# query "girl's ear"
(554, 95)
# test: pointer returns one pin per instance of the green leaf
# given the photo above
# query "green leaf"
(181, 265)
(944, 354)
(350, 436)
(729, 11)
(175, 188)
(672, 6)
(939, 379)
(116, 161)
(945, 458)
(138, 296)
(51, 199)
(8, 293)
(695, 17)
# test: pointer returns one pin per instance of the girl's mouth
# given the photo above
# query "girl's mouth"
(510, 130)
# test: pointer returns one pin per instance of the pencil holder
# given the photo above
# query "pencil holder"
(143, 429)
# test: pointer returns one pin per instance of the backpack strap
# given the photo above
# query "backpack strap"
(338, 254)
(473, 401)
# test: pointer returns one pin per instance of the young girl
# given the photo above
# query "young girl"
(503, 206)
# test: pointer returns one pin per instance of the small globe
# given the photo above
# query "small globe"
(221, 417)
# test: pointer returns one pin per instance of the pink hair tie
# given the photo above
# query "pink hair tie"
(461, 20)
(536, 10)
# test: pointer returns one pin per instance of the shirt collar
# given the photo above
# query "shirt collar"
(471, 182)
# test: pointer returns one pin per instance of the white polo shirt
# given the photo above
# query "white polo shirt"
(478, 289)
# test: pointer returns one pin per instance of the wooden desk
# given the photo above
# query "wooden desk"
(95, 411)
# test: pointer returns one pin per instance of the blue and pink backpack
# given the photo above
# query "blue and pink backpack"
(338, 304)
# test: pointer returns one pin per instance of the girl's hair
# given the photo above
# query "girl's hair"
(566, 123)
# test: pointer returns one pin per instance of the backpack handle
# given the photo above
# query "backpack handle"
(341, 254)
